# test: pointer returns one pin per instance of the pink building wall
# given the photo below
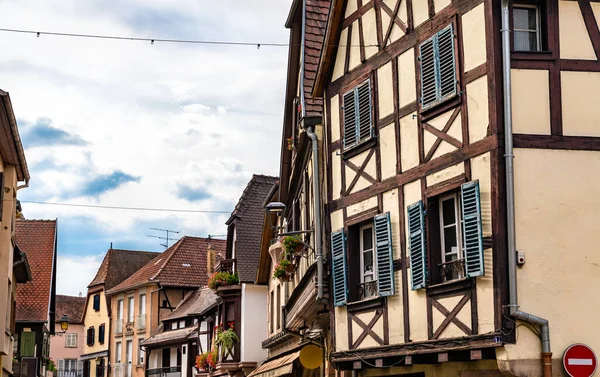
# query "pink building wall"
(58, 349)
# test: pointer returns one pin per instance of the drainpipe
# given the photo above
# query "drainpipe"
(510, 202)
(317, 205)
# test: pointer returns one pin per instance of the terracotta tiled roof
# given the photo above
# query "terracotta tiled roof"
(316, 22)
(118, 265)
(170, 336)
(36, 238)
(248, 217)
(181, 265)
(71, 306)
(196, 303)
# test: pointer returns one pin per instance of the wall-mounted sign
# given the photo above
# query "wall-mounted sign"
(580, 361)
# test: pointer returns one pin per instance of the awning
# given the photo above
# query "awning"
(276, 367)
(169, 337)
(94, 355)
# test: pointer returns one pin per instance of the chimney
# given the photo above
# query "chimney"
(211, 258)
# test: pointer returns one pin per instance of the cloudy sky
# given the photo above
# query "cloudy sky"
(124, 123)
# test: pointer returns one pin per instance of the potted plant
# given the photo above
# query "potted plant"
(202, 362)
(280, 270)
(227, 339)
(50, 366)
(292, 245)
(220, 279)
(290, 143)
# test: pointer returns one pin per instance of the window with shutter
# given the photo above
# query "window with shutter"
(417, 245)
(385, 257)
(357, 115)
(27, 348)
(61, 365)
(338, 266)
(101, 331)
(438, 68)
(472, 229)
(90, 336)
(97, 303)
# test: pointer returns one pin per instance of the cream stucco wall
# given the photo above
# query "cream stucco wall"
(254, 327)
(474, 43)
(409, 144)
(387, 148)
(557, 213)
(575, 42)
(369, 25)
(531, 101)
(478, 109)
(580, 93)
(407, 86)
(385, 90)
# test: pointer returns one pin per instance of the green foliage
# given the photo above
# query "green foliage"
(227, 339)
(280, 269)
(290, 243)
(220, 279)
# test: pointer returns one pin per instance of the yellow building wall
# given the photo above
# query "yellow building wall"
(580, 110)
(557, 213)
(531, 101)
(575, 42)
(94, 319)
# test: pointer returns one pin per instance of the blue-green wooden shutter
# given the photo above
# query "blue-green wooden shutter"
(438, 68)
(472, 231)
(446, 63)
(349, 110)
(338, 267)
(417, 245)
(364, 111)
(27, 348)
(385, 257)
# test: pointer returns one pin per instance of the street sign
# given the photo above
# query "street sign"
(580, 361)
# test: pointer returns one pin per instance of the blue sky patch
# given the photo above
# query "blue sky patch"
(104, 183)
(192, 194)
(42, 133)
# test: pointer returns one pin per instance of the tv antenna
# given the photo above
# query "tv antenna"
(167, 238)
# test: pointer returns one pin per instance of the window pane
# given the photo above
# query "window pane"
(449, 240)
(526, 41)
(448, 211)
(368, 278)
(368, 262)
(524, 18)
(367, 238)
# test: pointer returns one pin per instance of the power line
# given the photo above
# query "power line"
(152, 40)
(126, 208)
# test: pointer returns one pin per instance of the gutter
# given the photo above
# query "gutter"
(513, 305)
(302, 44)
(317, 206)
(17, 139)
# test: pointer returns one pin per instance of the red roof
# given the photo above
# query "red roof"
(72, 307)
(181, 265)
(316, 21)
(36, 238)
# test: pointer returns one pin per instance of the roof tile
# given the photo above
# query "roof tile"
(118, 265)
(72, 307)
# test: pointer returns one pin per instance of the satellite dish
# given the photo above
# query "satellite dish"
(311, 356)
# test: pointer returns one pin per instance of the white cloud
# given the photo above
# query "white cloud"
(205, 116)
(75, 273)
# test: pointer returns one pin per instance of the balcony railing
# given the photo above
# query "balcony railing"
(119, 326)
(367, 289)
(64, 373)
(164, 372)
(226, 265)
(141, 322)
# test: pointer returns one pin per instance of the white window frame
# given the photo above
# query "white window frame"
(458, 225)
(130, 308)
(118, 352)
(362, 253)
(141, 353)
(538, 28)
(71, 340)
(120, 308)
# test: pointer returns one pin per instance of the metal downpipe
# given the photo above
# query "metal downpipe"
(317, 205)
(510, 199)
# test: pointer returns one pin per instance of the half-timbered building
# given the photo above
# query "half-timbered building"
(461, 140)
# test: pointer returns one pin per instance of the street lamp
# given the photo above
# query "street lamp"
(64, 323)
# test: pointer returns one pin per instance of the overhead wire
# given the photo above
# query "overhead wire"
(164, 40)
(127, 208)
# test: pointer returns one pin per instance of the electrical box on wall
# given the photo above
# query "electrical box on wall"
(520, 258)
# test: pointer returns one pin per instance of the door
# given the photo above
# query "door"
(129, 357)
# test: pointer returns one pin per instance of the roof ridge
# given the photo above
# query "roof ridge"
(176, 247)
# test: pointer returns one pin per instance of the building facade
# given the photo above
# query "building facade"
(140, 302)
(66, 348)
(419, 137)
(36, 300)
(117, 266)
(14, 268)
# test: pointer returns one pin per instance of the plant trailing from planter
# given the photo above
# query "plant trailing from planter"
(202, 362)
(281, 270)
(50, 366)
(221, 279)
(291, 245)
(227, 339)
(290, 143)
(212, 358)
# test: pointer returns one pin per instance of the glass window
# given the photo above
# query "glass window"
(130, 307)
(526, 24)
(450, 234)
(141, 352)
(367, 260)
(118, 352)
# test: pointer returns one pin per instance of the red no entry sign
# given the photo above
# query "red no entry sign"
(580, 361)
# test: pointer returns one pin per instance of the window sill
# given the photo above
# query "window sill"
(532, 55)
(367, 303)
(358, 149)
(449, 286)
(440, 108)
